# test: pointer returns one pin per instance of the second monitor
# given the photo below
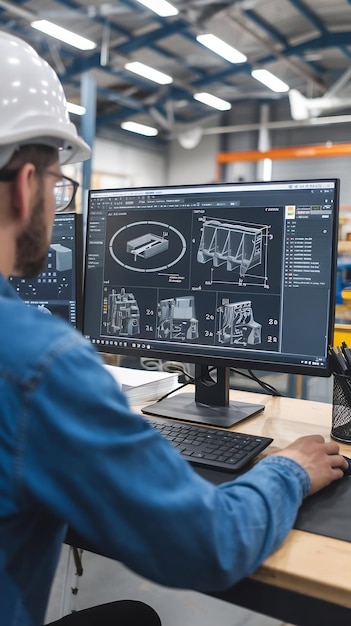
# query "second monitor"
(57, 289)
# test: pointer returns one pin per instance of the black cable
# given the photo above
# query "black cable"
(191, 381)
(251, 376)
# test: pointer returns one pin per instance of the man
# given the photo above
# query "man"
(71, 451)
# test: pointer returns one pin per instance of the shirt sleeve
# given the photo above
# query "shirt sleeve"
(98, 467)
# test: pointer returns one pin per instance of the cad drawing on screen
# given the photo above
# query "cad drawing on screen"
(146, 246)
(238, 246)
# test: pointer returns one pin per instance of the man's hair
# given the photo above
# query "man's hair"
(40, 155)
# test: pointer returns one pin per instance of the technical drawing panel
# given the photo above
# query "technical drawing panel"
(128, 312)
(176, 319)
(237, 325)
(139, 249)
(123, 317)
(253, 323)
(238, 246)
(238, 253)
(147, 245)
(187, 317)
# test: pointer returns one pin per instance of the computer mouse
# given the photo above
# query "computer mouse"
(348, 471)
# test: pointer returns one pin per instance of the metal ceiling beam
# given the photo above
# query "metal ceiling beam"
(328, 40)
(266, 26)
(276, 35)
(98, 19)
(102, 20)
(300, 69)
(244, 128)
(135, 7)
(119, 98)
(339, 84)
(309, 15)
(16, 10)
(223, 75)
(346, 50)
(150, 38)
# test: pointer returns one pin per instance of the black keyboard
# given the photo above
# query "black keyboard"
(210, 447)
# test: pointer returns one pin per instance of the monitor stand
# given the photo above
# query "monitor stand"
(211, 405)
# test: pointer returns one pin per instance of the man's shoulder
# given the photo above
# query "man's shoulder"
(29, 338)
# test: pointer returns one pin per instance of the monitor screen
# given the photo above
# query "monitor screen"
(219, 275)
(57, 290)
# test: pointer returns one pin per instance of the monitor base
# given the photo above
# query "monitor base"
(183, 407)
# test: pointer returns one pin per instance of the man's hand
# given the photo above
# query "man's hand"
(321, 460)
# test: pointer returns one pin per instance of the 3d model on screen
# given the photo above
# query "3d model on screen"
(44, 309)
(147, 245)
(63, 257)
(237, 325)
(134, 245)
(233, 244)
(123, 316)
(176, 319)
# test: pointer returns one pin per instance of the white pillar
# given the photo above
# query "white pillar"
(264, 167)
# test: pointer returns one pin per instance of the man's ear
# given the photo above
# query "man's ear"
(24, 190)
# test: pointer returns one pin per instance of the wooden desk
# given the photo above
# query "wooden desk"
(307, 581)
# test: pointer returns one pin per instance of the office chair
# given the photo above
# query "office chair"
(118, 613)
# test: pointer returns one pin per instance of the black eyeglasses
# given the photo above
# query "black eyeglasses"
(64, 191)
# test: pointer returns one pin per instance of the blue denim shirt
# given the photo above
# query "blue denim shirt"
(73, 453)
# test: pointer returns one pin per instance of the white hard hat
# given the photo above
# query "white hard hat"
(33, 105)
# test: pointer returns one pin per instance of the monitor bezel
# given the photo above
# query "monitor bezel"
(79, 261)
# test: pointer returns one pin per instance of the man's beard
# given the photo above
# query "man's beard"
(31, 245)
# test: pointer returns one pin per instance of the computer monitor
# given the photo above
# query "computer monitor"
(58, 289)
(220, 275)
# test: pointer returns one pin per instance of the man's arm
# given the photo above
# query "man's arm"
(120, 485)
(321, 460)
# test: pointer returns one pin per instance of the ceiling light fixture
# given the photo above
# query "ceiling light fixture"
(212, 101)
(77, 109)
(141, 129)
(149, 72)
(271, 81)
(220, 47)
(161, 7)
(63, 35)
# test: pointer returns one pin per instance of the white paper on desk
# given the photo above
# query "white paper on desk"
(143, 385)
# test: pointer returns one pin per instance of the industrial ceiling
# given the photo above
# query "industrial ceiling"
(305, 43)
